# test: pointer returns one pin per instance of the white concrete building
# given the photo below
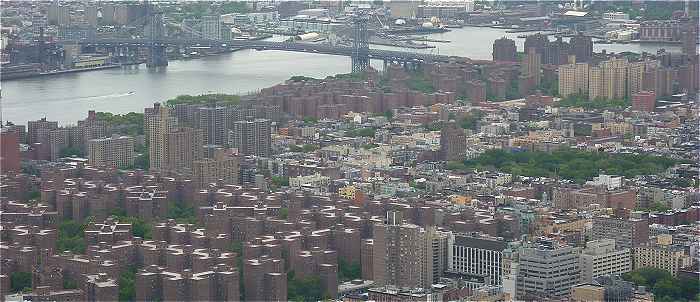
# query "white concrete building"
(316, 182)
(600, 258)
(612, 182)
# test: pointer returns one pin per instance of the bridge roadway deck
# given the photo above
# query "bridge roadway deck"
(379, 54)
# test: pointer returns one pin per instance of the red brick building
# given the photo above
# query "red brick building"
(644, 101)
(9, 151)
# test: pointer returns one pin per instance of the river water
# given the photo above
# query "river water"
(67, 98)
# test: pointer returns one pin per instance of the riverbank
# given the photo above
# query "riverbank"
(57, 72)
(111, 66)
(66, 97)
(401, 44)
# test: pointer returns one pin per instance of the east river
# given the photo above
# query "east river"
(67, 98)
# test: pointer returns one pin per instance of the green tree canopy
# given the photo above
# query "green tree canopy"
(581, 100)
(20, 281)
(126, 124)
(664, 286)
(304, 289)
(470, 120)
(284, 213)
(221, 99)
(139, 227)
(348, 271)
(418, 82)
(572, 164)
(389, 114)
(280, 181)
(182, 213)
(71, 151)
(142, 161)
(71, 237)
(361, 132)
(127, 291)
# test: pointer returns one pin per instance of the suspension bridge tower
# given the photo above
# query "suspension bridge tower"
(155, 32)
(360, 44)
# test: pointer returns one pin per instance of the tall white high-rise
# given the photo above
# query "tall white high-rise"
(158, 123)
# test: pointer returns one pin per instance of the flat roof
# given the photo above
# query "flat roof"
(574, 13)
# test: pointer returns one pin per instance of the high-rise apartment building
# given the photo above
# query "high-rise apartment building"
(34, 127)
(212, 119)
(573, 78)
(9, 150)
(58, 14)
(659, 80)
(600, 258)
(115, 152)
(439, 242)
(608, 80)
(582, 48)
(546, 269)
(264, 279)
(91, 128)
(537, 41)
(556, 52)
(532, 65)
(510, 264)
(221, 166)
(91, 12)
(21, 131)
(252, 137)
(404, 253)
(158, 123)
(689, 36)
(453, 142)
(476, 255)
(688, 79)
(59, 139)
(504, 50)
(100, 287)
(627, 233)
(600, 84)
(636, 72)
(367, 259)
(184, 147)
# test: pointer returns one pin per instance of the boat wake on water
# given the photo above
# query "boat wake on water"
(105, 96)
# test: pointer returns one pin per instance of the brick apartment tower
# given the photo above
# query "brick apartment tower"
(453, 142)
(504, 50)
(403, 254)
(252, 137)
(9, 150)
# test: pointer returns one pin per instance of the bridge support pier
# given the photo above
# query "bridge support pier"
(157, 56)
(122, 54)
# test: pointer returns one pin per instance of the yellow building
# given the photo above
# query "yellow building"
(532, 64)
(460, 199)
(588, 292)
(90, 61)
(661, 254)
(619, 128)
(347, 192)
(573, 79)
(564, 226)
(635, 75)
(608, 80)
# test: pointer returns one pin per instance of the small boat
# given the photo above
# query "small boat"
(130, 93)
